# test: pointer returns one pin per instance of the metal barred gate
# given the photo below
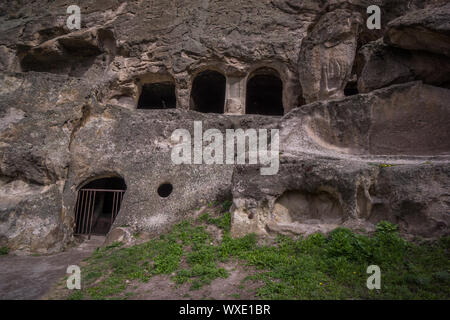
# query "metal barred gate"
(87, 213)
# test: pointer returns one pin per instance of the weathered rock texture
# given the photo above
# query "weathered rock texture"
(383, 65)
(354, 162)
(68, 113)
(427, 29)
(327, 55)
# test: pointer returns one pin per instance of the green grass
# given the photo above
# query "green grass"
(317, 267)
(4, 251)
(222, 222)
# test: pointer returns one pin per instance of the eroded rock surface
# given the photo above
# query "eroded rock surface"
(427, 29)
(355, 162)
(327, 55)
(383, 65)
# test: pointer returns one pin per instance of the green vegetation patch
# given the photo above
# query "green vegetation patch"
(4, 251)
(316, 267)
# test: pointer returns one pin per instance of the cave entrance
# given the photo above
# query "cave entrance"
(208, 92)
(265, 93)
(98, 204)
(159, 95)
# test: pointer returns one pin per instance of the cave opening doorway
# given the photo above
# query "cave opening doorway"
(208, 92)
(97, 206)
(160, 95)
(264, 94)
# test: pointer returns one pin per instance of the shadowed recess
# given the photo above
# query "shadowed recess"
(157, 96)
(208, 92)
(351, 89)
(98, 204)
(265, 93)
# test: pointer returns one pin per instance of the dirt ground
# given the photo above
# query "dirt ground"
(231, 288)
(39, 277)
(31, 277)
(161, 287)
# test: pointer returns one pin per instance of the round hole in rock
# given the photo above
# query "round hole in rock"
(208, 92)
(165, 190)
(265, 93)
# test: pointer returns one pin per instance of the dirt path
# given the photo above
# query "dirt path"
(231, 288)
(30, 277)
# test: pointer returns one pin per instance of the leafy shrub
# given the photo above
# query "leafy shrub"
(388, 246)
(342, 243)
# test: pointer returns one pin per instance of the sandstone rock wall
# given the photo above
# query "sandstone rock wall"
(350, 162)
(68, 113)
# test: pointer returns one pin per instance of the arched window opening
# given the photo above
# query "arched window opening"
(208, 92)
(159, 95)
(265, 93)
(98, 204)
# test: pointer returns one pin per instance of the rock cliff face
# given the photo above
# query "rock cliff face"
(364, 136)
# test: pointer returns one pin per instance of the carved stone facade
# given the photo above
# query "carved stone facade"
(70, 113)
